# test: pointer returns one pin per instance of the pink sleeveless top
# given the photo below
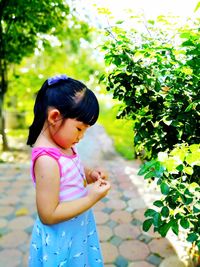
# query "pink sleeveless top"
(72, 176)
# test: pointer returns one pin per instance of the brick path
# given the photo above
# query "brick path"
(119, 215)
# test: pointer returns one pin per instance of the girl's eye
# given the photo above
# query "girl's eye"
(79, 129)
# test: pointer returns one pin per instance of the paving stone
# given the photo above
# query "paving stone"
(6, 210)
(29, 230)
(127, 231)
(3, 223)
(30, 190)
(162, 247)
(136, 222)
(114, 193)
(121, 216)
(142, 264)
(21, 182)
(154, 259)
(101, 217)
(25, 259)
(112, 224)
(124, 198)
(125, 185)
(21, 223)
(107, 210)
(116, 240)
(131, 193)
(116, 204)
(144, 238)
(109, 251)
(105, 232)
(134, 250)
(121, 262)
(10, 257)
(99, 206)
(129, 209)
(10, 200)
(105, 199)
(13, 239)
(172, 261)
(25, 247)
(4, 184)
(139, 214)
(151, 233)
(137, 203)
(15, 191)
(4, 231)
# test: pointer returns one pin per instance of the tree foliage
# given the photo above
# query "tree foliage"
(25, 26)
(23, 23)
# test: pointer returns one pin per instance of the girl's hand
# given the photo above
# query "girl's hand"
(99, 190)
(97, 174)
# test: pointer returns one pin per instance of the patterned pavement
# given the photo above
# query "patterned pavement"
(119, 215)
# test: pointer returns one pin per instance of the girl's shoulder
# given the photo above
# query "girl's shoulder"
(46, 154)
(53, 152)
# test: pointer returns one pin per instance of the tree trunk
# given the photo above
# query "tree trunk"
(3, 89)
(3, 78)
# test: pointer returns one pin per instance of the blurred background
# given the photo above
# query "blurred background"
(42, 39)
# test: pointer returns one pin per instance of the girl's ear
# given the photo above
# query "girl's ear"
(53, 116)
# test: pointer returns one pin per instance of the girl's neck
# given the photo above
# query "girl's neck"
(44, 140)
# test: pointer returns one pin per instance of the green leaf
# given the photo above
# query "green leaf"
(184, 223)
(196, 208)
(158, 203)
(186, 35)
(188, 170)
(193, 158)
(194, 147)
(150, 213)
(175, 227)
(165, 212)
(189, 107)
(151, 22)
(147, 224)
(146, 166)
(119, 22)
(164, 229)
(164, 188)
(188, 201)
(150, 174)
(180, 167)
(157, 219)
(192, 237)
(197, 6)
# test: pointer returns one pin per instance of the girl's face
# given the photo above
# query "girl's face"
(69, 133)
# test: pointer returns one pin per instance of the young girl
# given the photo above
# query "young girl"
(64, 234)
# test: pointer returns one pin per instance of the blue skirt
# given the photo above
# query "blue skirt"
(73, 243)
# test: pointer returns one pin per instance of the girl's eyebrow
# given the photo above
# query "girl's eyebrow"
(84, 124)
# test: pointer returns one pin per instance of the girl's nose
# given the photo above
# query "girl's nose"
(81, 135)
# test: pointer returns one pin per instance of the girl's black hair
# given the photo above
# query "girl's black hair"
(71, 97)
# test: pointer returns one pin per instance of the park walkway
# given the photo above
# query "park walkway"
(119, 215)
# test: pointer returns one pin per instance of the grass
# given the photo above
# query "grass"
(121, 131)
(17, 133)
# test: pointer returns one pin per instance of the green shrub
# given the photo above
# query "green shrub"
(180, 205)
(158, 83)
(156, 76)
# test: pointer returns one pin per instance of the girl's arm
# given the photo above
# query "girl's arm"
(47, 193)
(93, 175)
